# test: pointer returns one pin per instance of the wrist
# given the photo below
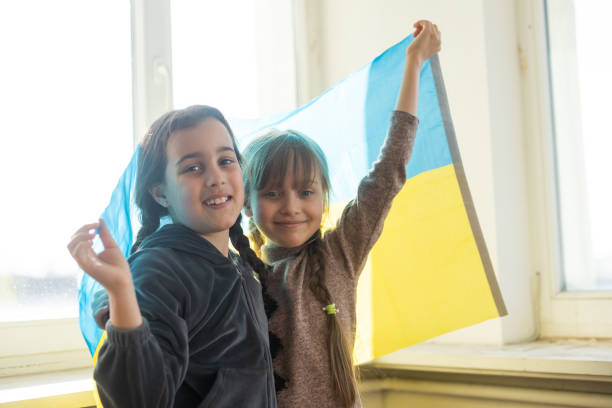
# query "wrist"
(124, 309)
(413, 60)
(121, 290)
(119, 284)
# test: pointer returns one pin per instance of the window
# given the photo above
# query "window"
(580, 85)
(80, 81)
(564, 111)
(66, 95)
(227, 54)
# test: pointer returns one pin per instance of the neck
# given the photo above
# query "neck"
(220, 240)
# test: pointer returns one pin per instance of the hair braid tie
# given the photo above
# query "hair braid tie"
(342, 369)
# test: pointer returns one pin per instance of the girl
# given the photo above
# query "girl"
(187, 326)
(313, 277)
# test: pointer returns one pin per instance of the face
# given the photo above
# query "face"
(288, 214)
(203, 187)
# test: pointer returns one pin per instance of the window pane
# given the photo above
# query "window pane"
(67, 134)
(581, 87)
(214, 58)
(236, 55)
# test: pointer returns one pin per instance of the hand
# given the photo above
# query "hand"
(109, 267)
(426, 42)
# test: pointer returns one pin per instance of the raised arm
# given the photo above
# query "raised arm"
(426, 43)
(363, 218)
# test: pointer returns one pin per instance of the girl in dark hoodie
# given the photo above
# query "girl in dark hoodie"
(187, 325)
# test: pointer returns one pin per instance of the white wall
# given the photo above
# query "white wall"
(480, 63)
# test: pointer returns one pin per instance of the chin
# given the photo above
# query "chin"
(291, 243)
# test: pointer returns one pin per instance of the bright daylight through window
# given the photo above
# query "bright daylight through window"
(581, 85)
(67, 126)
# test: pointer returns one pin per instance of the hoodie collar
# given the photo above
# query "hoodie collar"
(181, 238)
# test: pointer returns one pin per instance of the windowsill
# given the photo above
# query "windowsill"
(552, 359)
(46, 389)
(563, 359)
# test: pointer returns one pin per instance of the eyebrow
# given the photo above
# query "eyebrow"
(199, 155)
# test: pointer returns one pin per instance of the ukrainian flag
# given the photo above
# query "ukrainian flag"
(430, 271)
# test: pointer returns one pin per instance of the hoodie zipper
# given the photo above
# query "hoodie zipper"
(251, 309)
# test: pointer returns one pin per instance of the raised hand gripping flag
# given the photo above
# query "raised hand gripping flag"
(430, 271)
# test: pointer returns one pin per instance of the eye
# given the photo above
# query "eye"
(307, 193)
(271, 194)
(193, 168)
(226, 161)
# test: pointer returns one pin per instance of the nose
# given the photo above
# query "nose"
(215, 176)
(291, 204)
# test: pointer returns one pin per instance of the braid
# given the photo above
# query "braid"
(340, 355)
(241, 243)
(256, 237)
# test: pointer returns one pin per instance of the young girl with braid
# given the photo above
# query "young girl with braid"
(313, 276)
(187, 325)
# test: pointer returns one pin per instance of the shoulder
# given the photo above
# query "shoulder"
(169, 267)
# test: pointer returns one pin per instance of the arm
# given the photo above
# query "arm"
(111, 270)
(142, 362)
(145, 366)
(426, 43)
(362, 221)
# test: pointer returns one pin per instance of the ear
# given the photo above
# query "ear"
(158, 195)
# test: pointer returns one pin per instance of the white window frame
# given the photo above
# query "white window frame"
(562, 314)
(28, 347)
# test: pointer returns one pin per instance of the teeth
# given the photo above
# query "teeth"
(217, 201)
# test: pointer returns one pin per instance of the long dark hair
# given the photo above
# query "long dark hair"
(268, 159)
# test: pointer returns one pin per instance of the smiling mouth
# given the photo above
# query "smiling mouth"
(217, 202)
(290, 224)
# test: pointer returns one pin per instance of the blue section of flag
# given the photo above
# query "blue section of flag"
(121, 218)
(384, 80)
(335, 121)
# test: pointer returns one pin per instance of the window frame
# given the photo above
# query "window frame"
(22, 352)
(561, 314)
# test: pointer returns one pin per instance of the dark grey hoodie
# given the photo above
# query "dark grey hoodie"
(204, 340)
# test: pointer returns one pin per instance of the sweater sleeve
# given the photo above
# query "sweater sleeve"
(144, 367)
(362, 220)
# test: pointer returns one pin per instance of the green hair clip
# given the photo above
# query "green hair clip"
(331, 309)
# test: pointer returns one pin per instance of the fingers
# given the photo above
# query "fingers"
(81, 243)
(429, 33)
(85, 233)
(105, 236)
(418, 28)
(425, 25)
(87, 227)
(80, 248)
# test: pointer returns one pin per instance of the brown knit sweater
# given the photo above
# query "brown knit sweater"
(299, 320)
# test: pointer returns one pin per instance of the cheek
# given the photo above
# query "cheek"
(186, 196)
(239, 188)
(262, 211)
